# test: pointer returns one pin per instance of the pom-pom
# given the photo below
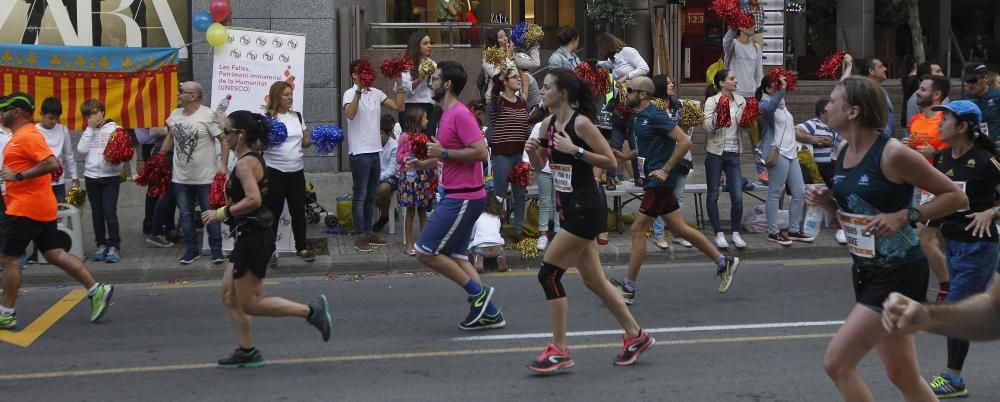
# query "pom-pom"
(76, 196)
(326, 138)
(722, 116)
(790, 79)
(691, 114)
(517, 34)
(742, 19)
(488, 183)
(595, 77)
(217, 193)
(418, 142)
(427, 68)
(831, 66)
(495, 56)
(119, 148)
(725, 8)
(366, 73)
(278, 134)
(527, 247)
(750, 113)
(660, 103)
(534, 36)
(392, 68)
(156, 175)
(520, 175)
(57, 174)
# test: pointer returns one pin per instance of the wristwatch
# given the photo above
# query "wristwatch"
(579, 153)
(19, 176)
(444, 154)
(913, 215)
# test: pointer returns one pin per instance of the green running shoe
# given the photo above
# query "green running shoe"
(485, 322)
(627, 294)
(8, 321)
(727, 274)
(100, 301)
(945, 387)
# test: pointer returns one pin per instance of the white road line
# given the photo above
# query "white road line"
(738, 327)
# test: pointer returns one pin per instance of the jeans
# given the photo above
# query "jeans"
(659, 225)
(728, 162)
(290, 187)
(787, 171)
(619, 134)
(502, 165)
(163, 213)
(365, 169)
(60, 191)
(103, 196)
(546, 202)
(186, 195)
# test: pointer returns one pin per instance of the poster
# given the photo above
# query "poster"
(284, 241)
(251, 61)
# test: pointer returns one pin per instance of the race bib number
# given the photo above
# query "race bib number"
(926, 196)
(562, 177)
(859, 242)
(642, 167)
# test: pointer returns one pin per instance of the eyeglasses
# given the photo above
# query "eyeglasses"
(435, 78)
(514, 77)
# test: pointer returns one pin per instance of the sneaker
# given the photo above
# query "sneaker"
(779, 238)
(478, 308)
(627, 294)
(551, 360)
(727, 274)
(113, 255)
(306, 255)
(188, 258)
(944, 386)
(800, 237)
(361, 244)
(738, 241)
(320, 317)
(942, 294)
(101, 254)
(376, 241)
(159, 241)
(542, 242)
(23, 262)
(380, 224)
(8, 321)
(633, 347)
(485, 322)
(241, 359)
(840, 236)
(662, 243)
(720, 240)
(218, 258)
(274, 260)
(100, 300)
(682, 242)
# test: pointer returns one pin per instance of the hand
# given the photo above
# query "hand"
(623, 81)
(7, 174)
(631, 155)
(532, 145)
(659, 175)
(907, 141)
(783, 81)
(926, 150)
(819, 196)
(848, 60)
(76, 182)
(434, 148)
(981, 223)
(134, 177)
(563, 143)
(510, 50)
(94, 121)
(883, 225)
(902, 315)
(223, 169)
(823, 142)
(209, 216)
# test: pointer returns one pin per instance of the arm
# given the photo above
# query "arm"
(681, 149)
(529, 61)
(224, 167)
(168, 142)
(847, 67)
(903, 164)
(769, 104)
(397, 103)
(804, 137)
(601, 157)
(636, 60)
(392, 167)
(710, 105)
(83, 146)
(606, 64)
(976, 318)
(727, 46)
(537, 156)
(44, 167)
(409, 85)
(351, 108)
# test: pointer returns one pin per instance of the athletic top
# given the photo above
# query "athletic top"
(583, 172)
(980, 171)
(651, 130)
(235, 193)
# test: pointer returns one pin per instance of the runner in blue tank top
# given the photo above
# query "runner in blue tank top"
(872, 188)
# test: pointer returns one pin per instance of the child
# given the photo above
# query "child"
(486, 240)
(417, 186)
(102, 180)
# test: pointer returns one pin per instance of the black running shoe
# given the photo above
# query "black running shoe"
(479, 303)
(320, 317)
(486, 322)
(241, 359)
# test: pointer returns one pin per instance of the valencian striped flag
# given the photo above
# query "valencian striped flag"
(138, 86)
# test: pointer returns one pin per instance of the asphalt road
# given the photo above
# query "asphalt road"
(396, 338)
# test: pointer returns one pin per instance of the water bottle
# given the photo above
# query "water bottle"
(894, 246)
(814, 215)
(220, 110)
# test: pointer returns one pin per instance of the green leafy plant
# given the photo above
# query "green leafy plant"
(612, 12)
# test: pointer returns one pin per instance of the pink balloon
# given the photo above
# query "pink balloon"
(219, 10)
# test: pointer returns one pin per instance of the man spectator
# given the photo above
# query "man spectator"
(923, 70)
(448, 10)
(753, 8)
(982, 93)
(191, 132)
(388, 179)
(823, 139)
(874, 68)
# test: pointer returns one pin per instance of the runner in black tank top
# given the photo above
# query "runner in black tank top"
(250, 222)
(872, 189)
(574, 146)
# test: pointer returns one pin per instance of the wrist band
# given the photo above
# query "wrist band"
(220, 214)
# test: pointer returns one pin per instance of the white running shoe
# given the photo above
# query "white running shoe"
(720, 240)
(738, 240)
(681, 241)
(543, 242)
(841, 237)
(662, 243)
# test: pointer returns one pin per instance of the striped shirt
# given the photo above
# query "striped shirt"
(510, 127)
(818, 128)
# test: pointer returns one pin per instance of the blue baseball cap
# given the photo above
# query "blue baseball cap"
(964, 108)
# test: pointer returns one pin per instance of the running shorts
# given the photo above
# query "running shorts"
(449, 228)
(252, 252)
(873, 284)
(658, 201)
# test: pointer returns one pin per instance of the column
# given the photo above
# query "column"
(856, 23)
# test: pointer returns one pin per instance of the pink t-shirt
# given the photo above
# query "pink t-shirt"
(457, 130)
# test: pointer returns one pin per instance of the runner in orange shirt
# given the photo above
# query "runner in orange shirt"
(32, 210)
(925, 138)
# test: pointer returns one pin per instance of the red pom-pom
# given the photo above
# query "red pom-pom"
(725, 8)
(722, 115)
(119, 148)
(595, 77)
(392, 68)
(520, 175)
(56, 174)
(366, 73)
(742, 19)
(750, 113)
(156, 175)
(790, 79)
(831, 66)
(418, 142)
(217, 195)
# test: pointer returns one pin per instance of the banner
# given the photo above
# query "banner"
(138, 86)
(251, 61)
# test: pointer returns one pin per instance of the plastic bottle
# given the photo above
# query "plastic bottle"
(895, 245)
(220, 110)
(814, 215)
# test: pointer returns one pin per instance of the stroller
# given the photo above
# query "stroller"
(315, 212)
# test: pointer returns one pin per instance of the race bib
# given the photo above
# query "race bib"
(926, 196)
(642, 167)
(859, 243)
(562, 177)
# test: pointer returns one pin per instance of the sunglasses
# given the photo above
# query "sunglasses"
(633, 90)
(228, 131)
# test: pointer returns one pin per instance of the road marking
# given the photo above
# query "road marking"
(392, 356)
(33, 331)
(539, 335)
(196, 285)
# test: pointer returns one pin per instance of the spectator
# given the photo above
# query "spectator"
(522, 61)
(103, 180)
(912, 109)
(388, 179)
(162, 231)
(874, 68)
(744, 58)
(565, 55)
(780, 150)
(624, 63)
(486, 240)
(546, 199)
(416, 86)
(57, 136)
(823, 143)
(417, 192)
(722, 154)
(510, 131)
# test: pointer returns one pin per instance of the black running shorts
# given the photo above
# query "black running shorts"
(873, 284)
(252, 252)
(19, 231)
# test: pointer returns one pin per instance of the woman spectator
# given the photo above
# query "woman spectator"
(102, 180)
(624, 63)
(416, 86)
(287, 181)
(780, 151)
(722, 154)
(546, 198)
(522, 61)
(565, 55)
(510, 131)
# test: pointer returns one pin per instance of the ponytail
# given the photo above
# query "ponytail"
(978, 138)
(579, 91)
(765, 83)
(255, 125)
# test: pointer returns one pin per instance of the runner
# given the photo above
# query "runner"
(970, 236)
(443, 244)
(875, 173)
(574, 146)
(32, 211)
(250, 222)
(661, 148)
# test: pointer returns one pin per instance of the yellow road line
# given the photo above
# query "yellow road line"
(29, 334)
(196, 285)
(393, 356)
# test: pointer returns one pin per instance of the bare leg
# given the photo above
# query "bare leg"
(638, 230)
(899, 355)
(675, 222)
(71, 265)
(592, 274)
(11, 280)
(242, 322)
(932, 247)
(248, 290)
(408, 229)
(382, 202)
(859, 335)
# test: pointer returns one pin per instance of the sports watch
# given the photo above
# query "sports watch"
(579, 153)
(913, 214)
(19, 176)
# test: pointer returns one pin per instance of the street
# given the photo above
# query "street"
(396, 338)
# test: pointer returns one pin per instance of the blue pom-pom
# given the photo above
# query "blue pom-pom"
(326, 138)
(278, 134)
(517, 34)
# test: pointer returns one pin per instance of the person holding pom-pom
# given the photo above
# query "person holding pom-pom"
(102, 180)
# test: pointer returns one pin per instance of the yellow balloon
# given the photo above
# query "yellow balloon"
(217, 34)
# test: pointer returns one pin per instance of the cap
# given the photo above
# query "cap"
(963, 108)
(643, 84)
(973, 71)
(18, 100)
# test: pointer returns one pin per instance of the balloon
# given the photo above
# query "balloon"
(217, 35)
(219, 9)
(201, 21)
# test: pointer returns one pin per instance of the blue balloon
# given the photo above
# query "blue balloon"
(201, 21)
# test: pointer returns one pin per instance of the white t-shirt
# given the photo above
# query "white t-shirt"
(486, 232)
(535, 133)
(195, 161)
(62, 148)
(363, 131)
(784, 133)
(287, 157)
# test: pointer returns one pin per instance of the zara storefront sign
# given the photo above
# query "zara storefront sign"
(251, 61)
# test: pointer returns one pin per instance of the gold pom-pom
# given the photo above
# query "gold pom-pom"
(533, 36)
(691, 114)
(495, 56)
(427, 68)
(527, 247)
(76, 196)
(660, 103)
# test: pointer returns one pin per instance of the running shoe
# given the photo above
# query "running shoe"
(633, 347)
(159, 241)
(113, 255)
(188, 258)
(627, 294)
(840, 236)
(551, 360)
(320, 317)
(945, 386)
(101, 254)
(486, 322)
(100, 301)
(662, 243)
(478, 308)
(241, 359)
(779, 238)
(727, 273)
(8, 321)
(682, 241)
